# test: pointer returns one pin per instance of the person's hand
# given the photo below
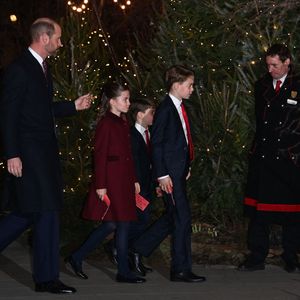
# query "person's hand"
(101, 193)
(83, 102)
(158, 192)
(14, 166)
(137, 187)
(166, 184)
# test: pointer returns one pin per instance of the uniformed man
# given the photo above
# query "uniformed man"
(273, 186)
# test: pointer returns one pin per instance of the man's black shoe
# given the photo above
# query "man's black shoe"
(144, 267)
(186, 277)
(76, 267)
(249, 267)
(135, 264)
(111, 252)
(54, 287)
(291, 267)
(129, 279)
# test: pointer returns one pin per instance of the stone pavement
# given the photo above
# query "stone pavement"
(224, 282)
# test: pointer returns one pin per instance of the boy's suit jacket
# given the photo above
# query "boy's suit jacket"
(169, 147)
(142, 162)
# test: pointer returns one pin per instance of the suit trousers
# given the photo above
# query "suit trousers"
(177, 221)
(98, 235)
(181, 252)
(45, 263)
(151, 238)
(137, 228)
(258, 240)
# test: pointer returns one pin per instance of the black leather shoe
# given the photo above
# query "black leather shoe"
(249, 267)
(135, 264)
(134, 279)
(54, 287)
(186, 277)
(111, 252)
(76, 267)
(291, 266)
(145, 268)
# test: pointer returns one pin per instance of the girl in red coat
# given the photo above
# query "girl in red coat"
(114, 176)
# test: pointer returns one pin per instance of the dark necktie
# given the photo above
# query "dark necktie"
(45, 68)
(188, 131)
(277, 87)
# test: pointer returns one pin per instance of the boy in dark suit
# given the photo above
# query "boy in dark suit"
(142, 112)
(172, 152)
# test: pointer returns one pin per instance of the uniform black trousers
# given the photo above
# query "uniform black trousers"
(258, 240)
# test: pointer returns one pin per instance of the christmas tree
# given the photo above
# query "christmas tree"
(80, 67)
(223, 42)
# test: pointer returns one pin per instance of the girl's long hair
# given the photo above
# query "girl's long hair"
(110, 90)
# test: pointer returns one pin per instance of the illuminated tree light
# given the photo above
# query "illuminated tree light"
(13, 18)
(79, 8)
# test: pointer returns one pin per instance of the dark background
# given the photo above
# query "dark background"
(122, 26)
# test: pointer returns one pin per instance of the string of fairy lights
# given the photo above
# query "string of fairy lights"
(82, 6)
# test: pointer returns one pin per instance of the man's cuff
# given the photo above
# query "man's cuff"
(163, 177)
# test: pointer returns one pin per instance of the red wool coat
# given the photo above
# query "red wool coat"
(114, 169)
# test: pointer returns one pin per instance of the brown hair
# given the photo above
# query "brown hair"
(177, 73)
(140, 104)
(110, 90)
(281, 50)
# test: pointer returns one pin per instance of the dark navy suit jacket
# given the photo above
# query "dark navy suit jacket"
(169, 146)
(142, 162)
(27, 114)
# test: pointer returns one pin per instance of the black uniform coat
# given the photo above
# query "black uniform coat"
(273, 187)
(27, 127)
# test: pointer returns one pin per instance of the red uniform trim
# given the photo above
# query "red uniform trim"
(272, 207)
(250, 202)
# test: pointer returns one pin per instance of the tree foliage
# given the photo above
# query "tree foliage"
(223, 42)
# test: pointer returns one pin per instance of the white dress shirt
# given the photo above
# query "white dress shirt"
(177, 104)
(142, 130)
(282, 79)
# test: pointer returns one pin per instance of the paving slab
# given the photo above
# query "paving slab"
(223, 282)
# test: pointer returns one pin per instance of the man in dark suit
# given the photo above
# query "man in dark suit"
(273, 190)
(27, 114)
(172, 152)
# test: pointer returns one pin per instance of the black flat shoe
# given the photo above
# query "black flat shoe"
(146, 268)
(54, 287)
(248, 267)
(135, 264)
(186, 277)
(121, 278)
(76, 267)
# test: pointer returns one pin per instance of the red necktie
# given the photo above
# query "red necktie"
(147, 139)
(188, 131)
(277, 87)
